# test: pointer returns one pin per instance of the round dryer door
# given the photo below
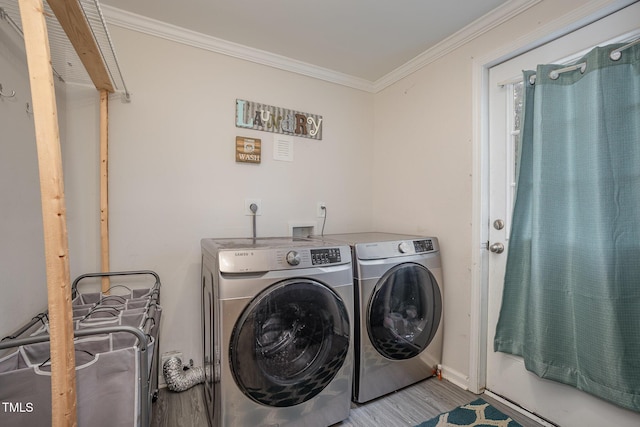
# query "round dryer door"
(404, 311)
(289, 343)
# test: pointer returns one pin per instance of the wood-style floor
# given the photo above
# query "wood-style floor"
(407, 407)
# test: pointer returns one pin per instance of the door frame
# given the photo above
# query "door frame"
(581, 17)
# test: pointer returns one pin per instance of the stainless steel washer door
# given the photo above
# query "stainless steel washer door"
(289, 343)
(404, 311)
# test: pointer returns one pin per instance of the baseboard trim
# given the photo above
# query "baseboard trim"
(455, 377)
(520, 409)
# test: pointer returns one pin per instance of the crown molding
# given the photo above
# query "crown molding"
(145, 25)
(554, 29)
(478, 27)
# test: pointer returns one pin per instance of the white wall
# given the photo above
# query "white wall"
(22, 269)
(173, 175)
(81, 157)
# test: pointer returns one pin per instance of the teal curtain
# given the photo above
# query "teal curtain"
(571, 302)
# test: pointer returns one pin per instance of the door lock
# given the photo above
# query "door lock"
(497, 248)
(498, 224)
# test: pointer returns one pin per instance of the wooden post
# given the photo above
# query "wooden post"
(56, 246)
(104, 186)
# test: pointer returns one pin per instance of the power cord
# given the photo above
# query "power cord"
(324, 208)
(254, 208)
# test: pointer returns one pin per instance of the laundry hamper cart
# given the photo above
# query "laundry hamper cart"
(116, 351)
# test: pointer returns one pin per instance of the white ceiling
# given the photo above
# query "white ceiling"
(365, 39)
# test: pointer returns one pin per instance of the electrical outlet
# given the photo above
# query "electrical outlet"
(322, 211)
(247, 206)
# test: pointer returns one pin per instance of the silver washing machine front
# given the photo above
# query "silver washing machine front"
(398, 301)
(277, 317)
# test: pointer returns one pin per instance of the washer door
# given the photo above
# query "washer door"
(289, 343)
(404, 311)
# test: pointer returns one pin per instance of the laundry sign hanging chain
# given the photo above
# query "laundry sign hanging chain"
(253, 115)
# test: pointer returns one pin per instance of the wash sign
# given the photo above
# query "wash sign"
(253, 115)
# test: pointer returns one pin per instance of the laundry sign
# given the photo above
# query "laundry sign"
(253, 115)
(248, 150)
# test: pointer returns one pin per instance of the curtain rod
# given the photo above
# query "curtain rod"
(615, 55)
(555, 74)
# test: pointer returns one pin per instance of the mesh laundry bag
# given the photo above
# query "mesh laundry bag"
(134, 296)
(111, 389)
(106, 384)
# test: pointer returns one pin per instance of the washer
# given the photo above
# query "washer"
(278, 347)
(398, 301)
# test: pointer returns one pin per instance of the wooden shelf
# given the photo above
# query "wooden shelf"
(81, 48)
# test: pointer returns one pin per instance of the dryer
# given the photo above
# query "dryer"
(398, 307)
(277, 323)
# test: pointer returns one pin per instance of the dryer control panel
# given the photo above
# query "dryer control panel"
(397, 248)
(423, 245)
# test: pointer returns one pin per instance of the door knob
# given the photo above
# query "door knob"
(497, 248)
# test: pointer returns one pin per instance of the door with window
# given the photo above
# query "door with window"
(506, 374)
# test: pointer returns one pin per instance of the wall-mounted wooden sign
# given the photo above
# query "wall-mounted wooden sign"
(247, 150)
(253, 115)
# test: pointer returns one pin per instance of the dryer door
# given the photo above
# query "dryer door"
(404, 311)
(289, 343)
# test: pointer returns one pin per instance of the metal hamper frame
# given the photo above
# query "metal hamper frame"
(145, 350)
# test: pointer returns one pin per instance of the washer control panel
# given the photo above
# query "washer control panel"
(293, 258)
(325, 256)
(404, 247)
(273, 259)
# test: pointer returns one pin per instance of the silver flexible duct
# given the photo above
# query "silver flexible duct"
(179, 379)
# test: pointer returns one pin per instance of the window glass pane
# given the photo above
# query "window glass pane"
(513, 124)
(517, 104)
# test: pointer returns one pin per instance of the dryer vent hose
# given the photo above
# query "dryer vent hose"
(180, 379)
